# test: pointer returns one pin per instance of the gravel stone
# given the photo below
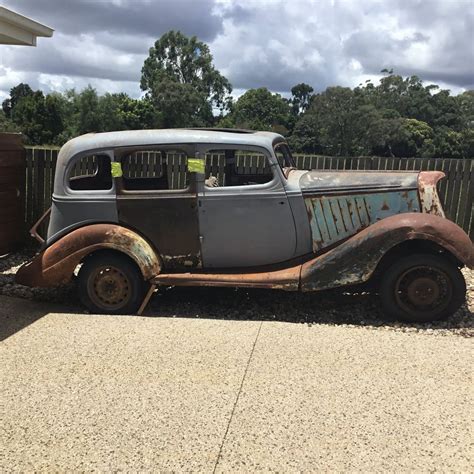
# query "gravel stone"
(335, 307)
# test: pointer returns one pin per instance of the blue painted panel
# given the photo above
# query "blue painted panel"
(334, 218)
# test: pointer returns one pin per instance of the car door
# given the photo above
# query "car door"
(245, 219)
(157, 197)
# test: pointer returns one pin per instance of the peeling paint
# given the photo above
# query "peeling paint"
(429, 197)
(335, 218)
(55, 265)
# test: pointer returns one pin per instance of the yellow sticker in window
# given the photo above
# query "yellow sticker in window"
(196, 165)
(116, 170)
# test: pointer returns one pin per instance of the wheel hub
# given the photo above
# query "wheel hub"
(423, 289)
(111, 286)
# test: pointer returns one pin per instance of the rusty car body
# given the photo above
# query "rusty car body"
(209, 207)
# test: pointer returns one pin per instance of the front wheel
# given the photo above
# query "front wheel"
(109, 283)
(422, 288)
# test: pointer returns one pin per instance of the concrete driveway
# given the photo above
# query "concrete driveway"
(82, 392)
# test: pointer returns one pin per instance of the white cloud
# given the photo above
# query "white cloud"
(255, 43)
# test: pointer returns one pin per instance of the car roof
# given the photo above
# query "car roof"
(110, 140)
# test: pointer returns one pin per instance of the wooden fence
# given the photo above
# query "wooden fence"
(456, 190)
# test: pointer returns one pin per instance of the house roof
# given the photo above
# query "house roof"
(20, 30)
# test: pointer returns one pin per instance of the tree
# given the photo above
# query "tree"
(179, 78)
(87, 103)
(301, 98)
(6, 125)
(259, 109)
(121, 112)
(16, 93)
(30, 114)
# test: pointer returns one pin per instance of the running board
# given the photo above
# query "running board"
(287, 279)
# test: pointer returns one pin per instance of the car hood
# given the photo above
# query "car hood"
(326, 182)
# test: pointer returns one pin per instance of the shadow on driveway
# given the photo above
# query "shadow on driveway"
(326, 307)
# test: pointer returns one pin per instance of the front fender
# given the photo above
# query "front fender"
(56, 264)
(355, 260)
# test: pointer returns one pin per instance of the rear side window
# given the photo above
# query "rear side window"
(91, 173)
(158, 170)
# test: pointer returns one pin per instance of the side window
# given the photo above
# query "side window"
(283, 155)
(91, 173)
(155, 169)
(236, 167)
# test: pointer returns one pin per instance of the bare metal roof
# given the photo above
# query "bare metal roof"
(126, 138)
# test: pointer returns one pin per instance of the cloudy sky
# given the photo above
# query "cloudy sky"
(272, 43)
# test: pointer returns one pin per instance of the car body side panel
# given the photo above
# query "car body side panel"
(334, 218)
(355, 260)
(169, 221)
(340, 204)
(68, 213)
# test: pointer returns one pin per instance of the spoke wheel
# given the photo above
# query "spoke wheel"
(422, 288)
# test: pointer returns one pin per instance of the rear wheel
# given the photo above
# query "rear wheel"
(422, 288)
(111, 284)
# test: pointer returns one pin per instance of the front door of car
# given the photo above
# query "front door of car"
(244, 216)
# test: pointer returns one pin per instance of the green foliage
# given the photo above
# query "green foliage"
(6, 125)
(16, 93)
(301, 96)
(398, 117)
(179, 78)
(259, 109)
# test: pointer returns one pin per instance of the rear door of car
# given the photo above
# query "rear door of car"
(157, 197)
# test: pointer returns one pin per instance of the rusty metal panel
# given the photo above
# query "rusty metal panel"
(55, 264)
(334, 218)
(169, 221)
(355, 260)
(429, 198)
(12, 191)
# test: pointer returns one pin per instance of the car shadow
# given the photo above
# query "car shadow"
(16, 313)
(334, 307)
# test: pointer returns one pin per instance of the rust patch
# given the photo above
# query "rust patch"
(355, 260)
(55, 265)
(286, 279)
(429, 198)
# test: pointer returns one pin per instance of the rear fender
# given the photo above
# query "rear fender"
(356, 259)
(56, 264)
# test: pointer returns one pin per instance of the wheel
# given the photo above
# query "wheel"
(422, 288)
(109, 283)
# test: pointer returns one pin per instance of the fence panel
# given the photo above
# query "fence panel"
(456, 190)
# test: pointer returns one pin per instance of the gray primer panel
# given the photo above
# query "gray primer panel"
(67, 214)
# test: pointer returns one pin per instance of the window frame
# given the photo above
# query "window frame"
(82, 192)
(213, 147)
(275, 146)
(121, 152)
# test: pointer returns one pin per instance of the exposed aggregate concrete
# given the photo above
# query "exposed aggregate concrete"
(235, 387)
(335, 307)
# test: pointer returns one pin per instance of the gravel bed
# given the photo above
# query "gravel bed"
(334, 307)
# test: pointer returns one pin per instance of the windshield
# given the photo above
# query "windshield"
(283, 155)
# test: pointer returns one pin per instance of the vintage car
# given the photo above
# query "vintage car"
(134, 210)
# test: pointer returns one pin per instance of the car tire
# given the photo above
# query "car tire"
(110, 283)
(422, 288)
